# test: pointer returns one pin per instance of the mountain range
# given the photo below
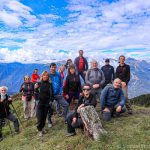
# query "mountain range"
(11, 75)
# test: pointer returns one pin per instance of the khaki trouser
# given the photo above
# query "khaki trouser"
(125, 91)
(29, 108)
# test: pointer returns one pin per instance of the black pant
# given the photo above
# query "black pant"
(71, 126)
(42, 111)
(11, 118)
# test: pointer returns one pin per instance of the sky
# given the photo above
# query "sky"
(41, 31)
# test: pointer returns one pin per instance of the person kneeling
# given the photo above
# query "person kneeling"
(112, 100)
(5, 113)
(74, 119)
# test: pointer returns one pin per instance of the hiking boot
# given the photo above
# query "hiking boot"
(1, 139)
(40, 133)
(70, 134)
(60, 114)
(130, 111)
(17, 131)
(44, 131)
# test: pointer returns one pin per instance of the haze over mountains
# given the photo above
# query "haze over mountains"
(12, 74)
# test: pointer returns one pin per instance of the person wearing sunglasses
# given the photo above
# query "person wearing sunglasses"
(74, 119)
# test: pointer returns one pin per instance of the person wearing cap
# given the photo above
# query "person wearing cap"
(74, 119)
(123, 73)
(112, 100)
(108, 71)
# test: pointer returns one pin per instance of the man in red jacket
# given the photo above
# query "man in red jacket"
(35, 76)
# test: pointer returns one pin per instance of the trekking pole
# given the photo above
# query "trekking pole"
(8, 121)
(16, 114)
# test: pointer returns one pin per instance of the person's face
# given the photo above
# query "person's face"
(35, 71)
(117, 83)
(72, 70)
(94, 64)
(121, 60)
(53, 69)
(86, 91)
(80, 53)
(27, 79)
(107, 63)
(62, 68)
(45, 77)
(3, 91)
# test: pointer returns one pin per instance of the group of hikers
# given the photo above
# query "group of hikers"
(71, 81)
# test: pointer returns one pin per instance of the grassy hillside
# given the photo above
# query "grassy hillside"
(142, 100)
(126, 132)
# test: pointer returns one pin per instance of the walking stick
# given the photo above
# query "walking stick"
(16, 114)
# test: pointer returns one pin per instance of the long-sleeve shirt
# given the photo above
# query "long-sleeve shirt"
(123, 73)
(56, 83)
(91, 100)
(45, 92)
(72, 84)
(109, 74)
(4, 107)
(111, 96)
(95, 76)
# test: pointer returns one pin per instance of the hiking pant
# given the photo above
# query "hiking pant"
(97, 93)
(107, 115)
(71, 126)
(42, 111)
(128, 104)
(29, 108)
(60, 101)
(11, 118)
(72, 95)
(82, 74)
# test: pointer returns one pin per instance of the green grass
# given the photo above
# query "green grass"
(124, 133)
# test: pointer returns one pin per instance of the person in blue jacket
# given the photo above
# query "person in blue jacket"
(112, 100)
(57, 91)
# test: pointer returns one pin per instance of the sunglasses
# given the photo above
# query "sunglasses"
(86, 89)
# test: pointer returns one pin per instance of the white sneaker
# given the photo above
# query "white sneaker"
(40, 133)
(49, 125)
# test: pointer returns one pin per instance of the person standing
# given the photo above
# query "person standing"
(123, 73)
(95, 77)
(27, 89)
(81, 65)
(108, 71)
(45, 99)
(57, 88)
(35, 77)
(72, 85)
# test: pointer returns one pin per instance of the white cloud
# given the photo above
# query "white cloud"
(91, 25)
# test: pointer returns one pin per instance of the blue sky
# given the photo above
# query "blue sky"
(45, 30)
